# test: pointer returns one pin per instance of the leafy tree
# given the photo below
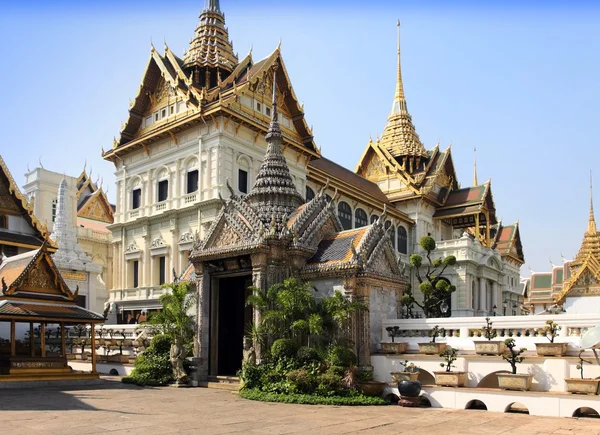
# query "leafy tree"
(435, 289)
(175, 321)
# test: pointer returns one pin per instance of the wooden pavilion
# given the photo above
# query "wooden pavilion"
(36, 309)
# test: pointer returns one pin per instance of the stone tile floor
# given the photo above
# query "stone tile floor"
(111, 407)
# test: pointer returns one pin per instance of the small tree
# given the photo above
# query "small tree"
(175, 321)
(410, 367)
(393, 331)
(434, 288)
(487, 331)
(436, 332)
(449, 355)
(551, 329)
(581, 363)
(512, 356)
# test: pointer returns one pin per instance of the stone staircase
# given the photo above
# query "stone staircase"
(229, 383)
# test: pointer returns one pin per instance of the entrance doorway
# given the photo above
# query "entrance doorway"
(233, 317)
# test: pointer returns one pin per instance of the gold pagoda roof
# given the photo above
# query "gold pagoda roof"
(210, 46)
(399, 137)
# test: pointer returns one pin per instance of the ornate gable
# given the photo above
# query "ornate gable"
(97, 208)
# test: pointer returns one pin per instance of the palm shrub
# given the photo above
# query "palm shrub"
(175, 321)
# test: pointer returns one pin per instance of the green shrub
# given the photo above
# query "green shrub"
(337, 371)
(307, 355)
(329, 382)
(284, 348)
(153, 366)
(341, 356)
(253, 375)
(355, 399)
(303, 381)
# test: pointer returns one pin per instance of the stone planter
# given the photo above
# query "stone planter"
(431, 348)
(450, 379)
(582, 386)
(489, 347)
(76, 356)
(394, 348)
(404, 376)
(520, 382)
(551, 349)
(372, 388)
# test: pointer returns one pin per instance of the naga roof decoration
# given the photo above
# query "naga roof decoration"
(13, 201)
(210, 45)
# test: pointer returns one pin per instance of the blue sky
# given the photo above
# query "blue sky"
(518, 80)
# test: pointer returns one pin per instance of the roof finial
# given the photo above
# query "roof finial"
(213, 5)
(592, 222)
(475, 166)
(399, 106)
(274, 130)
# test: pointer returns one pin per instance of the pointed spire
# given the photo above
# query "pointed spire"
(399, 105)
(213, 6)
(592, 222)
(274, 195)
(475, 166)
(399, 137)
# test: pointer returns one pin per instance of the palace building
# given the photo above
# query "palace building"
(197, 155)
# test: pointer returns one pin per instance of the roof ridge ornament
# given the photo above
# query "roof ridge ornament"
(592, 221)
(475, 166)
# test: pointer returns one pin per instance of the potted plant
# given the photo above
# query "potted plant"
(393, 347)
(583, 385)
(489, 347)
(433, 348)
(366, 384)
(514, 380)
(410, 373)
(550, 331)
(448, 377)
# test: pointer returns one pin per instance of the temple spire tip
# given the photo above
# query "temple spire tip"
(475, 166)
(592, 221)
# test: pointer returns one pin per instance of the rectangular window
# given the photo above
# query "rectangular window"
(155, 116)
(268, 111)
(243, 181)
(258, 106)
(163, 190)
(136, 198)
(162, 273)
(171, 109)
(163, 113)
(136, 271)
(192, 181)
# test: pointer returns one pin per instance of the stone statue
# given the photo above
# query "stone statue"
(176, 356)
(249, 351)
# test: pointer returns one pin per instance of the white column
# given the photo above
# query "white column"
(482, 298)
(495, 299)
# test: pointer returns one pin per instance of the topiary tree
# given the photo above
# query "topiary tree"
(435, 289)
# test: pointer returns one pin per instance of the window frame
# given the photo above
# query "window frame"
(400, 229)
(162, 270)
(159, 184)
(364, 218)
(244, 178)
(134, 191)
(187, 180)
(136, 273)
(345, 219)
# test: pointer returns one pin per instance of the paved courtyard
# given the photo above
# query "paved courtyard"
(114, 408)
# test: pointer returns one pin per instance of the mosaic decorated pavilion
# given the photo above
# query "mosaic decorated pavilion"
(271, 234)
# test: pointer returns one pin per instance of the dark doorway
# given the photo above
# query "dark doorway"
(233, 318)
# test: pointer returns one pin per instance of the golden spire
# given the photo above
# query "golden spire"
(399, 137)
(475, 166)
(399, 105)
(592, 222)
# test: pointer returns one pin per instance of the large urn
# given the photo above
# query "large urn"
(409, 393)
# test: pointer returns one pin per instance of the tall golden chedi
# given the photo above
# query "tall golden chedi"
(581, 291)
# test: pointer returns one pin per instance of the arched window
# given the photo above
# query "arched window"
(374, 218)
(360, 218)
(345, 215)
(310, 194)
(3, 221)
(392, 233)
(402, 240)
